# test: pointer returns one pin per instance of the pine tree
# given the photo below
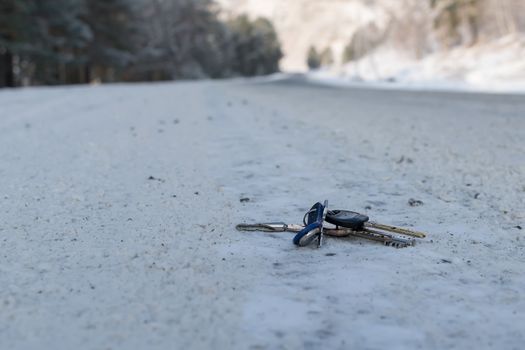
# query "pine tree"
(179, 37)
(76, 41)
(16, 36)
(255, 48)
(64, 35)
(313, 59)
(349, 53)
(269, 48)
(111, 48)
(40, 35)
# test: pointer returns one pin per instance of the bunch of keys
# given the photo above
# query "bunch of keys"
(343, 223)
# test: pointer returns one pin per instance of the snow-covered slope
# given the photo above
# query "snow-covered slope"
(490, 64)
(497, 65)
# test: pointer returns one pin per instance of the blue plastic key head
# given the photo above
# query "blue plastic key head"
(313, 226)
(307, 235)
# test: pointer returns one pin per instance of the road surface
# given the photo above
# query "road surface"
(118, 205)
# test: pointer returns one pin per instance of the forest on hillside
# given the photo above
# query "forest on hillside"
(79, 41)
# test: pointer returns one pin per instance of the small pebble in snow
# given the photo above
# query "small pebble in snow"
(445, 261)
(476, 195)
(152, 178)
(244, 200)
(518, 227)
(414, 202)
(196, 193)
(329, 254)
(403, 159)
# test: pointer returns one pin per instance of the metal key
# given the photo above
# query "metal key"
(370, 234)
(356, 221)
(385, 238)
(394, 229)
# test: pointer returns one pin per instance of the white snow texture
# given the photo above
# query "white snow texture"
(118, 208)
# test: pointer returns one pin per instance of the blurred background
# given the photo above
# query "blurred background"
(476, 42)
(81, 41)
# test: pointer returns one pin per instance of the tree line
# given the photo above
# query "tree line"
(80, 41)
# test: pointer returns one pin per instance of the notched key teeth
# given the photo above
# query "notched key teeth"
(397, 244)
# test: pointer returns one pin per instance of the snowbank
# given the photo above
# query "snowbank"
(496, 66)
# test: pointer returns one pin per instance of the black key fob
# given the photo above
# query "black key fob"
(346, 218)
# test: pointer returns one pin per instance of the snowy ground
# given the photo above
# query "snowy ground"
(118, 206)
(493, 66)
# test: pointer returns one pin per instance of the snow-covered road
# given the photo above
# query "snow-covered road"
(118, 206)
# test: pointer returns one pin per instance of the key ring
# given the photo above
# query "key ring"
(346, 223)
